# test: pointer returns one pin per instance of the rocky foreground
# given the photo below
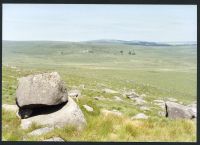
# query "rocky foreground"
(43, 99)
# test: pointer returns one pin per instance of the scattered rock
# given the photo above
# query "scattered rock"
(41, 89)
(175, 110)
(139, 101)
(130, 94)
(88, 108)
(40, 131)
(113, 112)
(74, 93)
(12, 108)
(140, 116)
(117, 98)
(69, 114)
(144, 108)
(54, 139)
(109, 91)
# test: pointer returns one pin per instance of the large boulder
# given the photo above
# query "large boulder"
(175, 111)
(70, 114)
(41, 89)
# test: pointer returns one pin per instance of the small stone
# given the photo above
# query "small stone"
(117, 98)
(113, 112)
(144, 108)
(130, 94)
(140, 116)
(88, 108)
(74, 93)
(139, 101)
(109, 91)
(54, 139)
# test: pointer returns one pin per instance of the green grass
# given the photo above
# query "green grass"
(109, 128)
(159, 72)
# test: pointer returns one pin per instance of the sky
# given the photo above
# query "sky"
(72, 22)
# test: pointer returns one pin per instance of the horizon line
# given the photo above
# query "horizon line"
(101, 40)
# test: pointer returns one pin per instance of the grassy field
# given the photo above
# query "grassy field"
(159, 72)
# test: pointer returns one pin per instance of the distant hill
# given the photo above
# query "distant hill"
(143, 43)
(134, 42)
(115, 42)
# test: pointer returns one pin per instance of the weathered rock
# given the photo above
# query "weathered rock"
(111, 112)
(41, 89)
(40, 131)
(74, 93)
(140, 116)
(88, 108)
(175, 110)
(54, 139)
(193, 109)
(69, 114)
(109, 91)
(12, 108)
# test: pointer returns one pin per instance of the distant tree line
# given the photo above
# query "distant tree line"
(130, 52)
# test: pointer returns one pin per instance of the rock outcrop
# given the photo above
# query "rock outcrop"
(175, 111)
(70, 114)
(42, 89)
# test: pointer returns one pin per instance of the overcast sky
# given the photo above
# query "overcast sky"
(90, 22)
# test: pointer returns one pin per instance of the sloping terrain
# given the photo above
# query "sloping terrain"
(154, 72)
